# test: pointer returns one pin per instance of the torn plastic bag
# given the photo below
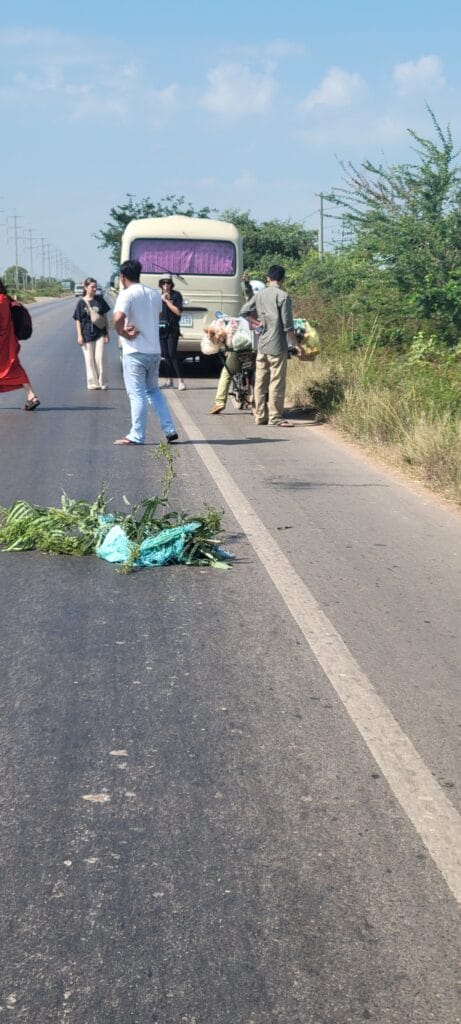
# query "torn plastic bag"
(115, 547)
(165, 548)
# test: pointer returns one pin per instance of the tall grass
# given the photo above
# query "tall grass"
(318, 386)
(426, 440)
(410, 415)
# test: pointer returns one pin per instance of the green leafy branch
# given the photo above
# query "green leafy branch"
(78, 526)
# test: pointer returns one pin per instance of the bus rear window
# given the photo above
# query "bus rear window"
(185, 256)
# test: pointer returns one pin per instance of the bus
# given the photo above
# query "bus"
(205, 259)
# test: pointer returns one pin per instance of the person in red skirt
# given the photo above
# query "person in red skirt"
(12, 374)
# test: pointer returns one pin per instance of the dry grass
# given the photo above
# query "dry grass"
(315, 385)
(424, 441)
(434, 452)
(300, 375)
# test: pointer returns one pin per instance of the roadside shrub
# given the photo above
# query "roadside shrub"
(327, 390)
(320, 386)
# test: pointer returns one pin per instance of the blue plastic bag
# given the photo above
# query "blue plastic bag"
(165, 548)
(115, 547)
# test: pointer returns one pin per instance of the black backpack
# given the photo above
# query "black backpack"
(22, 320)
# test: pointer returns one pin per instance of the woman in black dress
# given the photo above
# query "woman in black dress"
(169, 330)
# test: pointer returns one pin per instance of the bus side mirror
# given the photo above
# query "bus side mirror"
(114, 281)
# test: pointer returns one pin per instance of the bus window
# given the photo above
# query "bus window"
(200, 257)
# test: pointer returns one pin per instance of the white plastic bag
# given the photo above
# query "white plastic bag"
(242, 340)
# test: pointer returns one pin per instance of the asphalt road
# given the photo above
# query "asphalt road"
(262, 843)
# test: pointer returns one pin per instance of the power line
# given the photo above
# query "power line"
(309, 215)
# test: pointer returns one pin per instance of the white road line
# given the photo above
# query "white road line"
(424, 802)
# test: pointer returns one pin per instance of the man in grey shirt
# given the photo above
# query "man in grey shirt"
(272, 308)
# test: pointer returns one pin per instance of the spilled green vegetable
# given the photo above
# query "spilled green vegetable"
(150, 533)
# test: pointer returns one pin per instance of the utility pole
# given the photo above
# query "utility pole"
(30, 232)
(16, 258)
(320, 242)
(48, 248)
(14, 217)
(42, 247)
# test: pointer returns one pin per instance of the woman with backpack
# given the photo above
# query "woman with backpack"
(92, 325)
(12, 374)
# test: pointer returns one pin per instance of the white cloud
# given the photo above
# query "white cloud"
(129, 71)
(167, 97)
(208, 182)
(237, 91)
(43, 64)
(268, 55)
(78, 91)
(389, 128)
(35, 47)
(50, 67)
(245, 179)
(163, 103)
(49, 81)
(338, 89)
(418, 75)
(279, 49)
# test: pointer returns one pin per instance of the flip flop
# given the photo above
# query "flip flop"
(32, 404)
(281, 423)
(125, 440)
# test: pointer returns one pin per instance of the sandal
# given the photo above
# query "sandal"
(281, 423)
(126, 440)
(33, 403)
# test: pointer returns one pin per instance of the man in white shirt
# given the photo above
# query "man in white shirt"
(135, 318)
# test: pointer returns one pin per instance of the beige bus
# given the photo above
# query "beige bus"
(203, 256)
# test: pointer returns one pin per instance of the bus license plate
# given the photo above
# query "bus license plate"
(186, 321)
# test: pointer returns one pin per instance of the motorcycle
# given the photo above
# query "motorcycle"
(241, 389)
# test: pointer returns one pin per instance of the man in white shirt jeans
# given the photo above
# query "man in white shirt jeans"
(135, 318)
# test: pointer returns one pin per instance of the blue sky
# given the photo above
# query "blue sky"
(247, 105)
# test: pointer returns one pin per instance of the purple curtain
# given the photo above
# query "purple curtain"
(177, 256)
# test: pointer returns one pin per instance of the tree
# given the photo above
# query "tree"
(16, 277)
(405, 222)
(110, 237)
(271, 241)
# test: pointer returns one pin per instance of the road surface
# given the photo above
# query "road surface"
(226, 797)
